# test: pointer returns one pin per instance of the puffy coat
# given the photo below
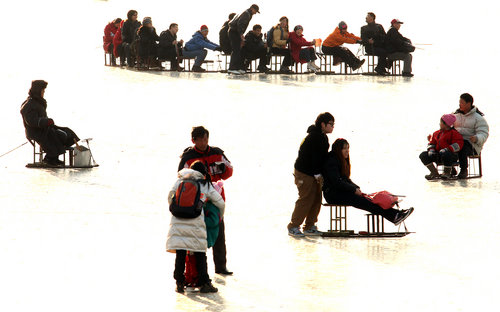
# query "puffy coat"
(296, 44)
(240, 22)
(373, 31)
(334, 183)
(129, 30)
(117, 41)
(280, 37)
(191, 234)
(395, 42)
(449, 139)
(199, 42)
(224, 42)
(336, 38)
(472, 123)
(147, 38)
(109, 33)
(213, 157)
(313, 152)
(253, 43)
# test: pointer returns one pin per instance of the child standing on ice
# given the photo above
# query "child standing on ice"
(190, 234)
(443, 147)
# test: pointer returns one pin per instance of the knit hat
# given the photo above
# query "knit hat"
(342, 25)
(203, 27)
(147, 20)
(298, 27)
(449, 119)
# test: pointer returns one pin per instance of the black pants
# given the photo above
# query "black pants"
(307, 54)
(201, 266)
(382, 57)
(219, 249)
(236, 59)
(344, 53)
(286, 53)
(253, 55)
(447, 158)
(467, 150)
(171, 56)
(360, 202)
(128, 53)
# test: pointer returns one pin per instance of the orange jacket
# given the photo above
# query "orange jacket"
(336, 38)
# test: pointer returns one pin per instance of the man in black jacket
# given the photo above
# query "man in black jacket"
(373, 37)
(255, 48)
(224, 42)
(236, 33)
(399, 47)
(169, 48)
(313, 153)
(129, 31)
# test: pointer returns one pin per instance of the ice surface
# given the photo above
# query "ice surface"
(93, 240)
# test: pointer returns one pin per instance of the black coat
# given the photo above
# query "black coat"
(224, 42)
(166, 47)
(36, 124)
(334, 183)
(373, 31)
(313, 152)
(147, 39)
(395, 42)
(240, 22)
(129, 30)
(253, 43)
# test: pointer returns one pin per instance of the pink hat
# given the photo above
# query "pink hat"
(203, 27)
(449, 119)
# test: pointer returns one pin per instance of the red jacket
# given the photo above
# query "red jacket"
(449, 139)
(109, 33)
(296, 44)
(117, 40)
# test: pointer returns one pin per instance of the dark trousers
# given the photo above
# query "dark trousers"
(253, 55)
(344, 53)
(467, 150)
(307, 54)
(447, 158)
(382, 57)
(201, 266)
(236, 60)
(286, 53)
(219, 249)
(129, 55)
(360, 202)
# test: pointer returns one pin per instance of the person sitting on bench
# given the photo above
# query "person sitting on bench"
(170, 48)
(333, 46)
(54, 140)
(338, 189)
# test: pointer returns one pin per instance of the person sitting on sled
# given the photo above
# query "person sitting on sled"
(338, 189)
(54, 140)
(444, 146)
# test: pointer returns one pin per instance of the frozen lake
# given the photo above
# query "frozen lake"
(93, 240)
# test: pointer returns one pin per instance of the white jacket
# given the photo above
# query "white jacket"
(191, 234)
(471, 124)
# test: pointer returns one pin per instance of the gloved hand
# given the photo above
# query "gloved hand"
(359, 42)
(218, 49)
(221, 167)
(50, 122)
(444, 150)
(431, 153)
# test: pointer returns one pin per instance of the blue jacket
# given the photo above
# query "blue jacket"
(198, 42)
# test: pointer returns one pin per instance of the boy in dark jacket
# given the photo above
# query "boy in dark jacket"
(224, 42)
(129, 31)
(313, 153)
(399, 47)
(373, 38)
(444, 146)
(255, 48)
(169, 48)
(147, 43)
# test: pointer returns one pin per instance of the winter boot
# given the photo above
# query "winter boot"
(463, 174)
(198, 69)
(180, 287)
(434, 173)
(311, 68)
(208, 288)
(446, 173)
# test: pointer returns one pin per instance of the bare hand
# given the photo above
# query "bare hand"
(473, 139)
(242, 38)
(370, 41)
(429, 137)
(175, 42)
(358, 192)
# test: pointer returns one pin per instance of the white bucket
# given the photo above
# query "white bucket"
(82, 157)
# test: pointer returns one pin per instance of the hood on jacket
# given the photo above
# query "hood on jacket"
(187, 173)
(313, 129)
(472, 111)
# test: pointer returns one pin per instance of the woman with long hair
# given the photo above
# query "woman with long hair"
(338, 189)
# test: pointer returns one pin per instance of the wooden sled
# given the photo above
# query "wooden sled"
(71, 161)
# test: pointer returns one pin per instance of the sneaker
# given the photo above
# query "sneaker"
(180, 287)
(295, 232)
(360, 63)
(234, 72)
(407, 74)
(402, 215)
(208, 288)
(224, 272)
(432, 177)
(313, 231)
(198, 69)
(380, 72)
(463, 174)
(315, 66)
(285, 70)
(242, 71)
(311, 68)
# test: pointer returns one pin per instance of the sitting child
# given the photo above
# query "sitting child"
(443, 147)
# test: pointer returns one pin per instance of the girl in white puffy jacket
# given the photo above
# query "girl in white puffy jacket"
(191, 234)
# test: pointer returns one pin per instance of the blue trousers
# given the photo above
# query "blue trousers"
(199, 55)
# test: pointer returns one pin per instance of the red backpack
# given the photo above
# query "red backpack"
(384, 199)
(186, 202)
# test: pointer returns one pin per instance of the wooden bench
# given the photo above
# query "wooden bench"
(474, 167)
(40, 154)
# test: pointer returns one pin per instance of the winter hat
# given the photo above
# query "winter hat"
(342, 25)
(36, 87)
(449, 119)
(298, 27)
(396, 21)
(147, 20)
(203, 27)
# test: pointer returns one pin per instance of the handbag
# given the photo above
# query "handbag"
(384, 199)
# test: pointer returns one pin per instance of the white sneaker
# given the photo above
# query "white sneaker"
(242, 71)
(315, 66)
(311, 68)
(234, 72)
